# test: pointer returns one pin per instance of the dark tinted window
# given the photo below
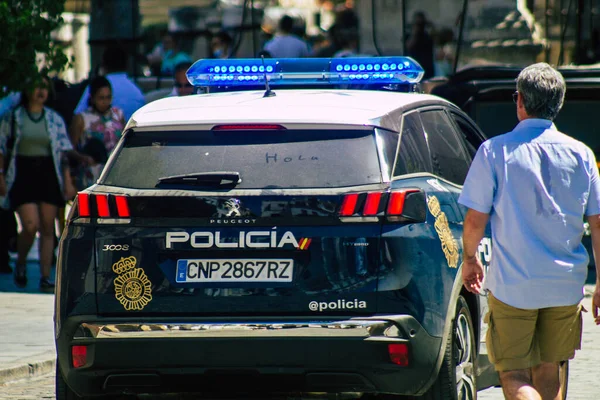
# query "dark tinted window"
(388, 142)
(413, 156)
(264, 159)
(447, 153)
(470, 136)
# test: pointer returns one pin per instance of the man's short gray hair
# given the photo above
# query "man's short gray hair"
(542, 89)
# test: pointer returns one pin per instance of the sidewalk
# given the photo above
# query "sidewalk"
(26, 326)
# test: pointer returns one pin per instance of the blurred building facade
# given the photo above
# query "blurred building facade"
(495, 31)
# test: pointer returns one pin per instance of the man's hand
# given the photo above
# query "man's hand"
(2, 185)
(473, 231)
(596, 303)
(472, 274)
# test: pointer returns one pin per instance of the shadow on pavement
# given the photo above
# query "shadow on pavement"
(7, 283)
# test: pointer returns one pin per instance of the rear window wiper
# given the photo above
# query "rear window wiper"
(207, 179)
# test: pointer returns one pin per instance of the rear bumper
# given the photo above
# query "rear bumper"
(321, 356)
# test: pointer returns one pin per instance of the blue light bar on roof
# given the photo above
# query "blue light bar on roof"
(307, 71)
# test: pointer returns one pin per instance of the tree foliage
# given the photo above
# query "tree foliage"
(25, 39)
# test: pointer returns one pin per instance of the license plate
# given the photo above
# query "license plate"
(240, 270)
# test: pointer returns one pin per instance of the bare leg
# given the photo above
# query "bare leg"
(28, 215)
(517, 385)
(61, 220)
(47, 236)
(545, 380)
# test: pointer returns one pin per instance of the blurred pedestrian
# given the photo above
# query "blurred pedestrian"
(181, 85)
(420, 44)
(155, 57)
(537, 185)
(220, 45)
(173, 56)
(126, 94)
(346, 23)
(8, 102)
(285, 44)
(445, 50)
(8, 236)
(8, 223)
(348, 41)
(96, 131)
(34, 139)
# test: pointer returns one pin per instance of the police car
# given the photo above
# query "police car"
(265, 239)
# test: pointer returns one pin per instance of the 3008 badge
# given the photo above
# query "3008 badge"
(115, 247)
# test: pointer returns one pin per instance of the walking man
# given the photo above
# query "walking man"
(536, 185)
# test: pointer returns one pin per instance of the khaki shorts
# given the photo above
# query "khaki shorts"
(521, 339)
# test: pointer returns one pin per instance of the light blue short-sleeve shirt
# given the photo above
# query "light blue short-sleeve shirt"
(537, 184)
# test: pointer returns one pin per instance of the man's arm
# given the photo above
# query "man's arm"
(477, 195)
(594, 221)
(473, 231)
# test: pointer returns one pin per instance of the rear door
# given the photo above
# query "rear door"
(431, 158)
(232, 221)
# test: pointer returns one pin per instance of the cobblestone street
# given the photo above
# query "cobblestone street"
(583, 379)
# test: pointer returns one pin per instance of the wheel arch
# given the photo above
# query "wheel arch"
(457, 291)
(473, 303)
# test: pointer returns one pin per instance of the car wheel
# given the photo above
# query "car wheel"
(63, 392)
(456, 379)
(563, 378)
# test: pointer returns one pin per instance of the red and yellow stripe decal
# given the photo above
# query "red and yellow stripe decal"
(304, 243)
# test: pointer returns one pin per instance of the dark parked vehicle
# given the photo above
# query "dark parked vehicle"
(485, 94)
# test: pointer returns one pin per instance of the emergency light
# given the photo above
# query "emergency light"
(307, 71)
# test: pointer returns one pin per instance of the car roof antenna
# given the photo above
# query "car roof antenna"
(268, 92)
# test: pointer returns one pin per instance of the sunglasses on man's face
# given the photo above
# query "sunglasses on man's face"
(515, 97)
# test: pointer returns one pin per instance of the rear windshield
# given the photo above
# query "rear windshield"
(263, 159)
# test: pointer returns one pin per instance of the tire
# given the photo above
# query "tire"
(63, 392)
(457, 377)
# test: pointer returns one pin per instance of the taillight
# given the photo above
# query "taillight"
(348, 205)
(398, 354)
(390, 205)
(397, 200)
(122, 206)
(372, 204)
(102, 206)
(79, 356)
(83, 202)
